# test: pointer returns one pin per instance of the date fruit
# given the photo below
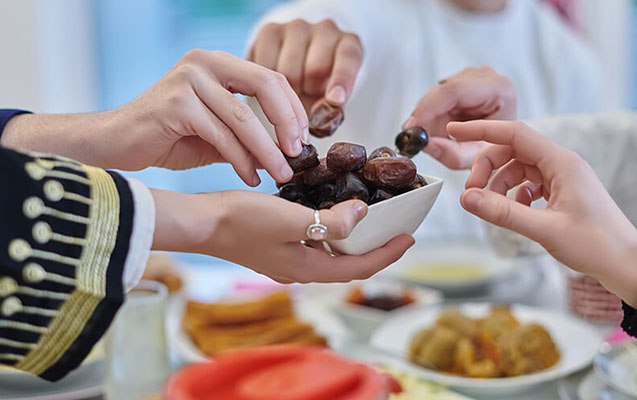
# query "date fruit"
(382, 152)
(319, 174)
(325, 119)
(306, 160)
(294, 192)
(346, 157)
(390, 172)
(380, 195)
(410, 141)
(349, 187)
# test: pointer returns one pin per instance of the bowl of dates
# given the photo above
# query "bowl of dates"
(399, 198)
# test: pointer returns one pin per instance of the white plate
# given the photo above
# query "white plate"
(577, 341)
(617, 366)
(385, 220)
(83, 383)
(453, 268)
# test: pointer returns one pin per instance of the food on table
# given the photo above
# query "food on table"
(162, 268)
(446, 271)
(410, 141)
(385, 301)
(496, 346)
(325, 119)
(307, 159)
(346, 173)
(415, 388)
(219, 327)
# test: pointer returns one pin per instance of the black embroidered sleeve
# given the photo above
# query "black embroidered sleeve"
(64, 235)
(629, 323)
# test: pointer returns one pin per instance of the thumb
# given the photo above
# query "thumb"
(343, 217)
(506, 213)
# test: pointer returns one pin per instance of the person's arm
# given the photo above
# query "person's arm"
(581, 226)
(189, 118)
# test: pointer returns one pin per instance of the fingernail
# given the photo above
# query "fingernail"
(411, 121)
(305, 135)
(336, 95)
(360, 210)
(472, 199)
(286, 172)
(296, 147)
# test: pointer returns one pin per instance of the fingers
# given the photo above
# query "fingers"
(214, 131)
(348, 59)
(325, 268)
(513, 174)
(272, 90)
(486, 162)
(342, 218)
(320, 57)
(528, 192)
(248, 129)
(452, 154)
(267, 47)
(527, 145)
(292, 57)
(504, 212)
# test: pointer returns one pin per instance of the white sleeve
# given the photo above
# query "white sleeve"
(142, 235)
(608, 142)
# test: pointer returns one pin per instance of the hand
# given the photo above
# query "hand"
(473, 93)
(189, 118)
(581, 226)
(319, 60)
(263, 232)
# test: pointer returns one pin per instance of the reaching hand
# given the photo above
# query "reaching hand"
(319, 60)
(473, 93)
(581, 226)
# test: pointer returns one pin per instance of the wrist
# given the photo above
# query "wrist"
(620, 275)
(186, 222)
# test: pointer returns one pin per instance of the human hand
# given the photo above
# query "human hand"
(473, 93)
(581, 226)
(319, 60)
(263, 232)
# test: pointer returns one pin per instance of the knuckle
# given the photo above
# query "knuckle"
(318, 71)
(185, 72)
(241, 111)
(297, 25)
(502, 211)
(196, 55)
(328, 24)
(271, 29)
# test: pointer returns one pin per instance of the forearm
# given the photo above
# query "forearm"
(621, 278)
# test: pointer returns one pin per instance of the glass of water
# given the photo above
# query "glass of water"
(137, 355)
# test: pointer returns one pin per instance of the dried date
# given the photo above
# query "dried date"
(346, 157)
(390, 173)
(382, 152)
(349, 187)
(319, 174)
(410, 141)
(306, 160)
(325, 119)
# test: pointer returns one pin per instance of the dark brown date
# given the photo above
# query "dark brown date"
(319, 174)
(324, 192)
(346, 157)
(294, 192)
(325, 119)
(349, 187)
(306, 160)
(390, 173)
(297, 178)
(419, 182)
(326, 204)
(381, 152)
(410, 141)
(380, 195)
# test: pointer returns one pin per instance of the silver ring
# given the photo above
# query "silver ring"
(316, 231)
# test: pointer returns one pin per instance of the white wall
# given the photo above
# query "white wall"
(48, 56)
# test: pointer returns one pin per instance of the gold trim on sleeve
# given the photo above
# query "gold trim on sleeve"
(91, 273)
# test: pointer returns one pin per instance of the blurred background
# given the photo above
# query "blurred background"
(86, 55)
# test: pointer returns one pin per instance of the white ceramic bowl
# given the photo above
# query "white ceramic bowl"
(402, 214)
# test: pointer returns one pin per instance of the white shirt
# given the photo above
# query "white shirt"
(411, 44)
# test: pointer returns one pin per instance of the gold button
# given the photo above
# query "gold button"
(48, 164)
(35, 171)
(42, 232)
(33, 207)
(8, 286)
(11, 306)
(19, 250)
(53, 190)
(33, 273)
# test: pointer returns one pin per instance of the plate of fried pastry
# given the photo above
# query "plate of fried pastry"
(210, 329)
(488, 349)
